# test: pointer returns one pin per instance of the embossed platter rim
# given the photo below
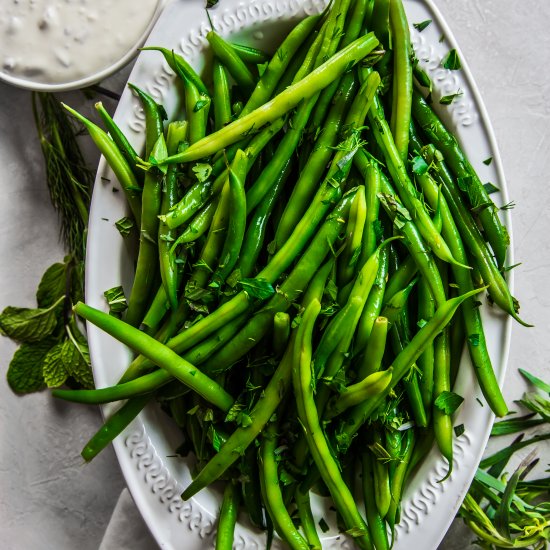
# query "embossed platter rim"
(144, 449)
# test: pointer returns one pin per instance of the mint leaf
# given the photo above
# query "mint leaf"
(202, 171)
(29, 325)
(422, 25)
(25, 370)
(451, 61)
(76, 360)
(257, 288)
(419, 166)
(52, 285)
(448, 402)
(53, 368)
(116, 300)
(124, 226)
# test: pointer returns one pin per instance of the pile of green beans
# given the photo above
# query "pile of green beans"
(294, 305)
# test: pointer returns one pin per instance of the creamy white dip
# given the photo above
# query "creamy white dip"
(59, 41)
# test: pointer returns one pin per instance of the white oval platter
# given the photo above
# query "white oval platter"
(145, 449)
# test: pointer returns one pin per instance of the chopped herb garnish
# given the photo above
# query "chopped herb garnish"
(451, 61)
(422, 25)
(257, 288)
(474, 339)
(124, 226)
(488, 161)
(459, 430)
(490, 188)
(323, 525)
(419, 166)
(116, 300)
(448, 99)
(448, 402)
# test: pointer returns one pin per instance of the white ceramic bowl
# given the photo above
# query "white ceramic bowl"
(96, 75)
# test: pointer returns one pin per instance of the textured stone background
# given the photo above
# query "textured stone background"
(48, 497)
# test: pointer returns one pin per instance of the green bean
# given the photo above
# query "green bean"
(156, 312)
(410, 382)
(279, 63)
(401, 278)
(198, 226)
(272, 495)
(159, 354)
(237, 218)
(371, 360)
(115, 159)
(147, 262)
(282, 103)
(373, 306)
(169, 271)
(398, 478)
(252, 497)
(402, 82)
(178, 64)
(472, 237)
(413, 241)
(154, 116)
(197, 108)
(282, 155)
(407, 191)
(318, 445)
(380, 25)
(255, 233)
(140, 386)
(307, 522)
(375, 522)
(402, 364)
(281, 332)
(350, 396)
(249, 54)
(382, 492)
(353, 27)
(222, 96)
(305, 187)
(426, 309)
(228, 517)
(394, 307)
(241, 438)
(354, 232)
(113, 426)
(457, 336)
(470, 312)
(211, 251)
(488, 216)
(442, 422)
(121, 141)
(231, 60)
(195, 198)
(372, 188)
